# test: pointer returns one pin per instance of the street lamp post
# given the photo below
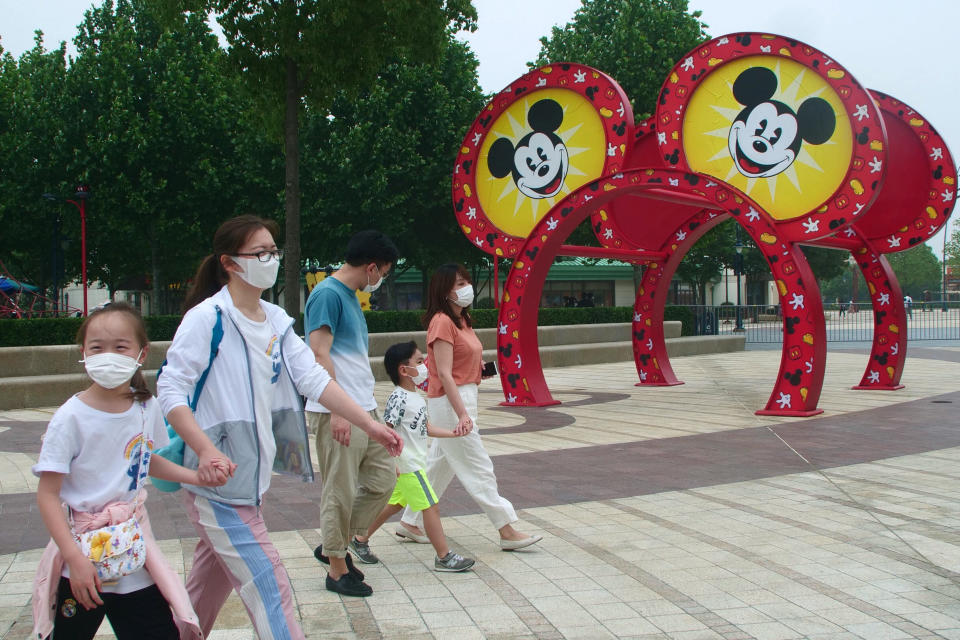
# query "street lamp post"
(739, 270)
(943, 268)
(81, 195)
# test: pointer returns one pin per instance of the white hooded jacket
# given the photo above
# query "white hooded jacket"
(225, 409)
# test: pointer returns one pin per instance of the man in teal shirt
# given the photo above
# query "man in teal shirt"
(358, 474)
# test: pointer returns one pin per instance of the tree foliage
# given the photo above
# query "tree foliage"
(298, 55)
(917, 270)
(384, 159)
(151, 121)
(34, 150)
(952, 255)
(636, 42)
(717, 250)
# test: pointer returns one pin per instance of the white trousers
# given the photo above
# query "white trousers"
(465, 458)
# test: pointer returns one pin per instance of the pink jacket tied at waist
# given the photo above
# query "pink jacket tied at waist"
(171, 586)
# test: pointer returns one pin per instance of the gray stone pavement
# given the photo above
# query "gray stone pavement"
(666, 513)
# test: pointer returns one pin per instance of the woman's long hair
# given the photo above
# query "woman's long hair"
(441, 282)
(227, 241)
(140, 391)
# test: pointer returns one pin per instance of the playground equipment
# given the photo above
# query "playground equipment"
(20, 300)
(757, 127)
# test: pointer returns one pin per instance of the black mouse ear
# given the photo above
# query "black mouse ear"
(500, 157)
(754, 85)
(816, 120)
(545, 115)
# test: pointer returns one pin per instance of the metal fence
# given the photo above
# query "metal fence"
(845, 323)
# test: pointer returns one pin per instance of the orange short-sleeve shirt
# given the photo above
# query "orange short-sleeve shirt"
(467, 353)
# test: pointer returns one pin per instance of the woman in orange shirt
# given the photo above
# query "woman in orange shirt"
(454, 363)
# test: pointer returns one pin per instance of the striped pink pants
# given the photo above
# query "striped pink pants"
(235, 553)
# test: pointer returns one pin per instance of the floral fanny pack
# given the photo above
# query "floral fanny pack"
(117, 550)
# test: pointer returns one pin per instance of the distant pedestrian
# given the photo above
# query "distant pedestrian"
(908, 305)
(842, 306)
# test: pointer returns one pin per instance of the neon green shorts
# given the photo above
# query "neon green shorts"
(413, 490)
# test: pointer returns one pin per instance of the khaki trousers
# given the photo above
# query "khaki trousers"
(357, 482)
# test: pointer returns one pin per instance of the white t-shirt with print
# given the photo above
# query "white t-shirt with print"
(263, 351)
(407, 412)
(99, 454)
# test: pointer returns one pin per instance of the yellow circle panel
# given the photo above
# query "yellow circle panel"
(772, 128)
(523, 171)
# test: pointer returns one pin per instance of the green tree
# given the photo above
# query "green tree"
(299, 55)
(917, 269)
(716, 250)
(383, 160)
(155, 126)
(34, 150)
(636, 42)
(952, 255)
(706, 259)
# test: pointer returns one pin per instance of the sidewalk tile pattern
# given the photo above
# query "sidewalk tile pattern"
(671, 513)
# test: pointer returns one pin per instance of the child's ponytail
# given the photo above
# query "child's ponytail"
(139, 384)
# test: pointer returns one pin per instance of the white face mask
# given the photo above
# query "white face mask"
(110, 370)
(261, 275)
(464, 296)
(370, 288)
(422, 374)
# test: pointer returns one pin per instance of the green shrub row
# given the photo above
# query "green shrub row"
(40, 331)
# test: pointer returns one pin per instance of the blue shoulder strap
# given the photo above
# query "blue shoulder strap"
(215, 340)
(175, 449)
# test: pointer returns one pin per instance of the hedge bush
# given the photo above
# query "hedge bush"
(41, 331)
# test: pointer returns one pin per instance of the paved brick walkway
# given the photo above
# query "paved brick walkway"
(667, 513)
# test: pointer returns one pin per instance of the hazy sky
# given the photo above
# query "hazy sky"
(907, 50)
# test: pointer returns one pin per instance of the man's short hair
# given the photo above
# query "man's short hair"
(371, 246)
(395, 356)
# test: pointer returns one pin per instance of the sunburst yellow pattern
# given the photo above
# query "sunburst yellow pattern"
(816, 172)
(581, 132)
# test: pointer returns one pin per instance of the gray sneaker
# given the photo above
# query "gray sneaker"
(362, 549)
(452, 562)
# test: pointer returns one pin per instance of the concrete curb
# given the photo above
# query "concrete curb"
(46, 376)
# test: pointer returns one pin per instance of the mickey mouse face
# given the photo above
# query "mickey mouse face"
(766, 136)
(540, 161)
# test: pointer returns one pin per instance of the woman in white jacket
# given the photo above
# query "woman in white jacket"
(231, 389)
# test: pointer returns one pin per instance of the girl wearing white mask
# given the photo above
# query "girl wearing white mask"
(454, 363)
(231, 388)
(95, 456)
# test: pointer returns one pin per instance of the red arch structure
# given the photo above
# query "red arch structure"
(798, 387)
(651, 191)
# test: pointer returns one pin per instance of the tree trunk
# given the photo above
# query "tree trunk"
(155, 302)
(424, 284)
(291, 270)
